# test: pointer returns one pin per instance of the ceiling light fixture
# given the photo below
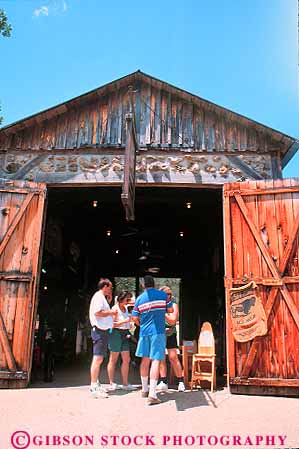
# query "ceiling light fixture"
(189, 205)
(153, 269)
(108, 233)
(181, 234)
(116, 251)
(95, 203)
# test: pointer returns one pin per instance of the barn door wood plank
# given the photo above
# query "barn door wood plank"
(291, 243)
(271, 300)
(295, 202)
(35, 260)
(254, 345)
(261, 225)
(5, 200)
(293, 337)
(228, 282)
(290, 303)
(15, 222)
(263, 365)
(268, 308)
(19, 250)
(28, 262)
(265, 191)
(252, 256)
(283, 324)
(237, 240)
(247, 252)
(12, 254)
(259, 240)
(6, 346)
(19, 336)
(3, 361)
(11, 293)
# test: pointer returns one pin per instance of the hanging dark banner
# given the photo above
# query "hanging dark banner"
(247, 312)
(128, 190)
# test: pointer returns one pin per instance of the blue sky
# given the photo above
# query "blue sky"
(242, 55)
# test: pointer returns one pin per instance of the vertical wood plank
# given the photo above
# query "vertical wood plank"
(228, 258)
(157, 120)
(168, 119)
(147, 116)
(109, 119)
(152, 115)
(103, 138)
(120, 117)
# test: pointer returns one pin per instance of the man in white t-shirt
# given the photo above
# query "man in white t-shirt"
(101, 319)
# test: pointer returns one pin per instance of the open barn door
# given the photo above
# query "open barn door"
(261, 221)
(21, 217)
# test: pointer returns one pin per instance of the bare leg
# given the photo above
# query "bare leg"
(144, 370)
(154, 376)
(163, 368)
(155, 369)
(144, 366)
(125, 355)
(175, 362)
(95, 368)
(111, 366)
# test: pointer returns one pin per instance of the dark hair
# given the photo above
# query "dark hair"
(124, 295)
(148, 281)
(104, 282)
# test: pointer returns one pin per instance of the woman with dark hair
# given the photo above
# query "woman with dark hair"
(171, 346)
(119, 342)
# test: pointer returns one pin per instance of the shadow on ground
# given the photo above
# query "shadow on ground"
(76, 374)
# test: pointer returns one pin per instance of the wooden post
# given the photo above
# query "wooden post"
(128, 190)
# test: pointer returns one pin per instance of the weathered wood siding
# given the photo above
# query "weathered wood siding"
(21, 217)
(163, 119)
(262, 244)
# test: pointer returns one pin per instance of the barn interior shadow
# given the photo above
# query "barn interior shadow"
(86, 237)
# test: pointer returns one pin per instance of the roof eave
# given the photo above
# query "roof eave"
(49, 113)
(290, 153)
(283, 139)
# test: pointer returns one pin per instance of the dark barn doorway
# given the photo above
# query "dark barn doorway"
(177, 234)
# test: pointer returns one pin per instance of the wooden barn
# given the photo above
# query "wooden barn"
(141, 176)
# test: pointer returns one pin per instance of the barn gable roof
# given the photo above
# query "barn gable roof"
(287, 145)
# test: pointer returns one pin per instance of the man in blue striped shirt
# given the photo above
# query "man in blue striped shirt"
(149, 313)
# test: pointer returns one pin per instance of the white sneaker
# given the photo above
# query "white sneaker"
(98, 392)
(112, 387)
(162, 386)
(128, 387)
(181, 386)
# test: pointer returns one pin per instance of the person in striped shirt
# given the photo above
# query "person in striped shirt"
(149, 313)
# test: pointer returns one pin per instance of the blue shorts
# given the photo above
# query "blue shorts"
(100, 341)
(152, 346)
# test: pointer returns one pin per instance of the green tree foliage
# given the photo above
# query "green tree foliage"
(5, 27)
(5, 30)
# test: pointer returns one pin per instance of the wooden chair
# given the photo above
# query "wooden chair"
(189, 348)
(204, 358)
